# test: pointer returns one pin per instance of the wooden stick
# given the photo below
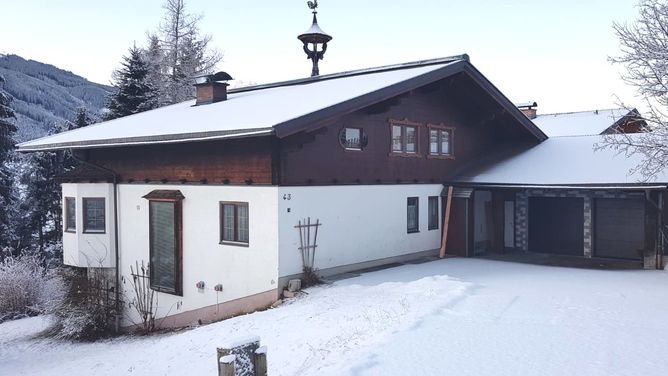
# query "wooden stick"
(308, 242)
(301, 243)
(446, 222)
(315, 239)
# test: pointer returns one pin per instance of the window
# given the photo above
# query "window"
(433, 213)
(440, 141)
(70, 214)
(412, 217)
(353, 138)
(404, 137)
(93, 215)
(166, 240)
(164, 246)
(234, 223)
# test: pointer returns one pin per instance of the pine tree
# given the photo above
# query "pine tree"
(81, 119)
(134, 93)
(7, 130)
(186, 52)
(41, 208)
(155, 59)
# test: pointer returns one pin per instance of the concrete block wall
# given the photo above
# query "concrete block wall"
(588, 196)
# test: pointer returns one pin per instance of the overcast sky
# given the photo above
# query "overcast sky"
(554, 53)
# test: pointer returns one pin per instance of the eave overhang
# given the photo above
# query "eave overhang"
(161, 139)
(593, 186)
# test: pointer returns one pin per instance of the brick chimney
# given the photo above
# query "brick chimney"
(528, 109)
(211, 88)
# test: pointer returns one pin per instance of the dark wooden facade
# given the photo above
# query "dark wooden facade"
(315, 156)
(480, 125)
(238, 161)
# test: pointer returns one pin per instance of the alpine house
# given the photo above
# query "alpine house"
(393, 163)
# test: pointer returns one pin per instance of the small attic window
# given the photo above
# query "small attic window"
(441, 140)
(404, 138)
(352, 138)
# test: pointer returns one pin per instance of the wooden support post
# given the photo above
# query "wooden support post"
(446, 222)
(226, 365)
(261, 361)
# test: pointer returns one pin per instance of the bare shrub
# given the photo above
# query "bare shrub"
(88, 311)
(144, 301)
(27, 288)
(310, 277)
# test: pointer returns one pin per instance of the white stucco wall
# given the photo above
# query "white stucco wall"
(89, 249)
(360, 223)
(243, 271)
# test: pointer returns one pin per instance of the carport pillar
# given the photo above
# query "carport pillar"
(446, 222)
(588, 233)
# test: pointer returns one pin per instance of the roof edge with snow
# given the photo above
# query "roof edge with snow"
(280, 127)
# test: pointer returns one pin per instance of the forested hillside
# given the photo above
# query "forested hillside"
(45, 95)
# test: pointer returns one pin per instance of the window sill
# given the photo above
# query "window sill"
(166, 291)
(70, 230)
(405, 155)
(439, 156)
(413, 231)
(433, 228)
(236, 244)
(97, 232)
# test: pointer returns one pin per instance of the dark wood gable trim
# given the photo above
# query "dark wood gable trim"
(319, 118)
(315, 119)
(507, 105)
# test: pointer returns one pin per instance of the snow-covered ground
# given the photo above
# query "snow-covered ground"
(448, 317)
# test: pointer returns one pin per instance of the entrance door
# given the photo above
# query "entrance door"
(482, 220)
(556, 225)
(509, 224)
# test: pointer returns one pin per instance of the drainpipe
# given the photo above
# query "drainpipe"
(117, 289)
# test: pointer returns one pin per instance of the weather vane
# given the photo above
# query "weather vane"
(315, 37)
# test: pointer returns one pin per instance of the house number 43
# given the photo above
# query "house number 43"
(287, 196)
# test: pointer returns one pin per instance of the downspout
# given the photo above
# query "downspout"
(117, 289)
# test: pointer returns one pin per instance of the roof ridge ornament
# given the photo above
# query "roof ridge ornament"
(315, 37)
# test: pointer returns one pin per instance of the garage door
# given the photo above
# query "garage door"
(556, 225)
(619, 228)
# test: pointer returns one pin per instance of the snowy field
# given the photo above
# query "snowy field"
(447, 317)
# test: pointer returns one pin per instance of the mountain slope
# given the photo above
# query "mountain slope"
(44, 94)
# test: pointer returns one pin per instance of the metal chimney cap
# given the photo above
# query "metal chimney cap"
(210, 78)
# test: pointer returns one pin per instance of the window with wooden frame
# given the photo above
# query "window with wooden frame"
(166, 241)
(234, 223)
(405, 135)
(93, 215)
(441, 140)
(353, 138)
(70, 214)
(413, 213)
(433, 213)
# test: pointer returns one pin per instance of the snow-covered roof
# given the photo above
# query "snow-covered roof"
(246, 112)
(583, 123)
(561, 161)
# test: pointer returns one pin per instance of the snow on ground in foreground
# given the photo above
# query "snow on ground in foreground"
(448, 317)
